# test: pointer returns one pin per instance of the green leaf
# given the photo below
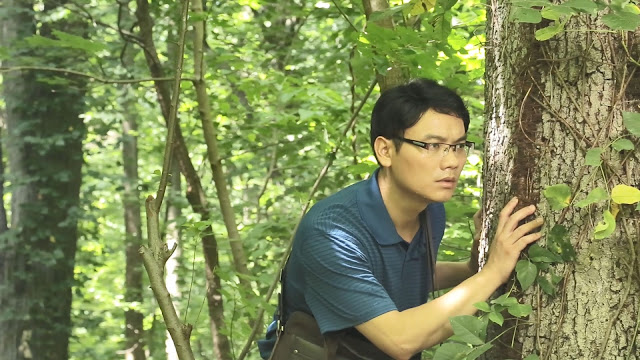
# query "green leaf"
(469, 329)
(555, 12)
(526, 272)
(558, 195)
(587, 6)
(596, 195)
(606, 227)
(625, 194)
(638, 207)
(632, 122)
(530, 3)
(539, 254)
(505, 300)
(67, 40)
(623, 144)
(496, 317)
(622, 20)
(546, 286)
(379, 15)
(593, 157)
(532, 357)
(478, 351)
(560, 244)
(525, 15)
(520, 310)
(550, 31)
(483, 306)
(451, 351)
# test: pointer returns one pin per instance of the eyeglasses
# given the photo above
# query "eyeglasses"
(459, 150)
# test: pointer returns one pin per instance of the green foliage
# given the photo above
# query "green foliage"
(526, 273)
(606, 227)
(632, 122)
(559, 196)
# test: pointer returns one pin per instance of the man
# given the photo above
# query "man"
(360, 259)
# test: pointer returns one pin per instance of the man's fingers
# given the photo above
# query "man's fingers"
(505, 213)
(526, 240)
(524, 229)
(518, 216)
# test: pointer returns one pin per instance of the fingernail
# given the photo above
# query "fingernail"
(532, 207)
(540, 220)
(515, 198)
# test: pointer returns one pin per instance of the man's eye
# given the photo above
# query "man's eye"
(434, 146)
(458, 147)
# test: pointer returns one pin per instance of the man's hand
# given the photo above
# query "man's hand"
(511, 239)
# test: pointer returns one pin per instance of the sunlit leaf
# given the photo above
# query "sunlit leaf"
(625, 194)
(451, 351)
(606, 227)
(555, 12)
(526, 272)
(623, 144)
(550, 31)
(583, 5)
(621, 20)
(631, 121)
(496, 317)
(520, 310)
(483, 306)
(559, 196)
(596, 195)
(505, 300)
(469, 329)
(592, 158)
(525, 15)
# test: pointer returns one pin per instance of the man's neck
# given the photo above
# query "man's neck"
(403, 208)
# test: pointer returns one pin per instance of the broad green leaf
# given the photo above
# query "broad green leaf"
(496, 317)
(532, 357)
(505, 300)
(451, 351)
(625, 194)
(622, 20)
(632, 8)
(469, 329)
(592, 158)
(539, 254)
(583, 5)
(555, 12)
(638, 207)
(520, 310)
(525, 15)
(546, 286)
(66, 40)
(555, 279)
(632, 122)
(530, 3)
(379, 15)
(421, 6)
(558, 242)
(606, 227)
(623, 144)
(478, 351)
(550, 31)
(558, 195)
(526, 272)
(483, 306)
(595, 195)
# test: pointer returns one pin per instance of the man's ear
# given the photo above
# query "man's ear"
(384, 149)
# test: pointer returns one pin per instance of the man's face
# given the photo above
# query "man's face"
(431, 174)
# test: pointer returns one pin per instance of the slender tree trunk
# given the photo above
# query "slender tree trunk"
(45, 134)
(395, 75)
(173, 237)
(134, 331)
(547, 104)
(195, 193)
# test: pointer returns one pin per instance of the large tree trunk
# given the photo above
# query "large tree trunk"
(45, 134)
(547, 104)
(134, 331)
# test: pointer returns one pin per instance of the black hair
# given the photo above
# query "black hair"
(401, 107)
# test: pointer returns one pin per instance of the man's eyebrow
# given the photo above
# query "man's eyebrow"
(442, 139)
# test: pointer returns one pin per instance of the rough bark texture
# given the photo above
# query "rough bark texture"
(45, 134)
(547, 104)
(134, 331)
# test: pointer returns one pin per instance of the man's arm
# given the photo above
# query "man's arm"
(402, 334)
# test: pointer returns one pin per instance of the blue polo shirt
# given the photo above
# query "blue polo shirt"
(348, 264)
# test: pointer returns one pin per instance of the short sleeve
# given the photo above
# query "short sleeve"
(340, 288)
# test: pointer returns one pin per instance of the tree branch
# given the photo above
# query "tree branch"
(92, 77)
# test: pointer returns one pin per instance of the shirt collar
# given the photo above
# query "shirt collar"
(374, 212)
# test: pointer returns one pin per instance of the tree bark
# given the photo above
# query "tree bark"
(395, 75)
(45, 134)
(134, 330)
(173, 237)
(547, 104)
(195, 193)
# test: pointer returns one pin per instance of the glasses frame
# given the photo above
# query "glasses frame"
(425, 145)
